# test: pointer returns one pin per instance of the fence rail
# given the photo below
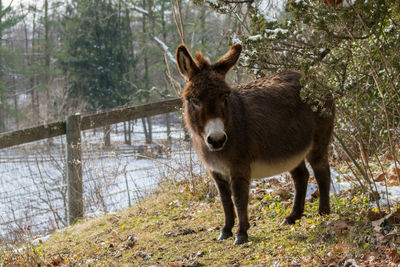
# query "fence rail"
(58, 128)
(72, 127)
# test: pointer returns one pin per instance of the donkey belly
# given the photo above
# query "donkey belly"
(260, 169)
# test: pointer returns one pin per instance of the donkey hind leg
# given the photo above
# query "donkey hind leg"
(322, 174)
(226, 199)
(318, 158)
(300, 177)
(240, 188)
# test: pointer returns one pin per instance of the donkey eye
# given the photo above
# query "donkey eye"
(195, 102)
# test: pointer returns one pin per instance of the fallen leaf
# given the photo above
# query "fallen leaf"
(259, 193)
(350, 263)
(340, 227)
(394, 217)
(57, 261)
(315, 194)
(393, 181)
(378, 224)
(387, 222)
(392, 177)
(395, 171)
(374, 196)
(389, 156)
(373, 216)
(394, 256)
(274, 182)
(283, 192)
(381, 177)
(331, 259)
(338, 249)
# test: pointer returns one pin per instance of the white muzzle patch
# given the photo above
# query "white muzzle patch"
(214, 134)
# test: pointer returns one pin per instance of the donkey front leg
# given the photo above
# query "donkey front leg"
(226, 199)
(240, 188)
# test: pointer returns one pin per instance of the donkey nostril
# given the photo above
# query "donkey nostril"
(210, 140)
(217, 143)
(223, 139)
(220, 142)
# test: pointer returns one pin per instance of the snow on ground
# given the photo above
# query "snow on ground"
(341, 183)
(33, 181)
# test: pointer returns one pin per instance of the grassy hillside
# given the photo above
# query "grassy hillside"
(178, 226)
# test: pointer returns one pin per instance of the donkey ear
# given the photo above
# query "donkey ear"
(227, 61)
(186, 64)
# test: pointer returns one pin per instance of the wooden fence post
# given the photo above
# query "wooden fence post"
(74, 168)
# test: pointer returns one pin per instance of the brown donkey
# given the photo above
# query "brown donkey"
(252, 131)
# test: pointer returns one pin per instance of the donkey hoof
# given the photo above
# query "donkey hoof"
(224, 235)
(288, 221)
(324, 211)
(241, 239)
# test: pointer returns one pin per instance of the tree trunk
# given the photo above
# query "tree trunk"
(127, 133)
(29, 59)
(107, 137)
(37, 105)
(202, 26)
(131, 124)
(237, 30)
(168, 122)
(146, 134)
(149, 140)
(2, 98)
(145, 59)
(47, 60)
(164, 36)
(16, 107)
(2, 112)
(33, 81)
(132, 67)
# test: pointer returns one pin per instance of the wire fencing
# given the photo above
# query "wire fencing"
(33, 180)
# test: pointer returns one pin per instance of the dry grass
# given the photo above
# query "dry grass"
(177, 227)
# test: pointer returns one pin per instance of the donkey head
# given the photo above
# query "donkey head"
(206, 95)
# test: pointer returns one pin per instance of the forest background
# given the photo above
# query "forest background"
(62, 57)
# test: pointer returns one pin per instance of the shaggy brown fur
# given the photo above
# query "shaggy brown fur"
(265, 121)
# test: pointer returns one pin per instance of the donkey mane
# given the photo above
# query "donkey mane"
(202, 62)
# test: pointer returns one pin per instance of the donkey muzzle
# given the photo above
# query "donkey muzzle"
(215, 136)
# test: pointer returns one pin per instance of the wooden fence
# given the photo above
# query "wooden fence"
(72, 127)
